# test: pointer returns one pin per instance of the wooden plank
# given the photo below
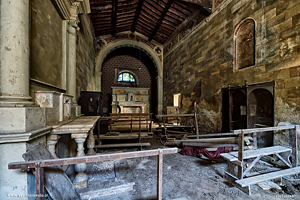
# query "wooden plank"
(213, 135)
(102, 146)
(196, 120)
(278, 128)
(283, 160)
(181, 115)
(263, 151)
(268, 176)
(241, 154)
(251, 165)
(294, 147)
(212, 140)
(55, 180)
(133, 135)
(88, 159)
(39, 181)
(159, 174)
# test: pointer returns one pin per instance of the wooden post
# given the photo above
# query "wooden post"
(241, 154)
(39, 181)
(139, 129)
(159, 174)
(131, 124)
(151, 122)
(165, 128)
(196, 120)
(294, 147)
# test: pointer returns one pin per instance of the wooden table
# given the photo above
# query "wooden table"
(79, 129)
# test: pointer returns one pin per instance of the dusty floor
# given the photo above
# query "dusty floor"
(184, 177)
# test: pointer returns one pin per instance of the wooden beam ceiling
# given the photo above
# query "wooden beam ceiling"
(168, 5)
(155, 19)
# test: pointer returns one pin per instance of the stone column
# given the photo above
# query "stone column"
(98, 76)
(14, 53)
(71, 68)
(159, 94)
(80, 180)
(52, 140)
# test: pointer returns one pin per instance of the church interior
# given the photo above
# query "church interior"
(104, 94)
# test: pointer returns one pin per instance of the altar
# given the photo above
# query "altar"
(130, 100)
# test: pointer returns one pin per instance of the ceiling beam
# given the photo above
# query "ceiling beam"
(114, 17)
(168, 5)
(137, 14)
(206, 4)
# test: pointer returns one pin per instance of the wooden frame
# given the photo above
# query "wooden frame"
(40, 164)
(237, 159)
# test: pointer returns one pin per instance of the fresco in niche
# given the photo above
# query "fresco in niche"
(245, 45)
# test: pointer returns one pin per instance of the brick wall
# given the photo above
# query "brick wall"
(206, 56)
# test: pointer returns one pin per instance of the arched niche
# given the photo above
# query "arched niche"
(146, 49)
(244, 44)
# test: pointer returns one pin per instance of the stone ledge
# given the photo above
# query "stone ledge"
(24, 137)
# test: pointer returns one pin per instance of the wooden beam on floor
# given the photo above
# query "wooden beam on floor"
(103, 146)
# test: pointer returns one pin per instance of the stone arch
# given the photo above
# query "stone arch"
(244, 44)
(145, 48)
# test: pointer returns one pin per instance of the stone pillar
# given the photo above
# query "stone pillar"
(98, 76)
(159, 94)
(14, 53)
(80, 180)
(91, 143)
(71, 68)
(51, 144)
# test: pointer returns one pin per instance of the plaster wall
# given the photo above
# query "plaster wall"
(202, 63)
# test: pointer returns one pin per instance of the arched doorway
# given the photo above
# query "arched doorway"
(134, 61)
(147, 50)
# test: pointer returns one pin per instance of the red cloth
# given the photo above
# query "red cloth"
(197, 151)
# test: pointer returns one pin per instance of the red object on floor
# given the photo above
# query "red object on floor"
(197, 151)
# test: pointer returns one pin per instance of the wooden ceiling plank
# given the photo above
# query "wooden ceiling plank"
(172, 20)
(161, 19)
(137, 15)
(152, 8)
(147, 18)
(146, 23)
(114, 17)
(182, 7)
(161, 7)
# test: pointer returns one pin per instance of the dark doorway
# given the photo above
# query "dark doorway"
(238, 110)
(249, 106)
(261, 112)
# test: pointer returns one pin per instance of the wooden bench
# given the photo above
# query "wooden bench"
(242, 179)
(120, 122)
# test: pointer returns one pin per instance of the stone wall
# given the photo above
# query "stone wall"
(201, 65)
(46, 43)
(85, 56)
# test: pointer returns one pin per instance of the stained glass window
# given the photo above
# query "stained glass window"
(126, 77)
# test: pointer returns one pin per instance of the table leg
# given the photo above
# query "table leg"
(52, 140)
(80, 180)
